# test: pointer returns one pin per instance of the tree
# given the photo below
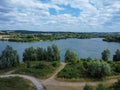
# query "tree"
(9, 58)
(116, 57)
(98, 69)
(29, 54)
(49, 54)
(40, 54)
(70, 56)
(87, 87)
(56, 53)
(105, 55)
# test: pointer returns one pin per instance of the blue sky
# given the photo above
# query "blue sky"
(60, 15)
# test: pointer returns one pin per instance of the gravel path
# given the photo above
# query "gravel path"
(35, 81)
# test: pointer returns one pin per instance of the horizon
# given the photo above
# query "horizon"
(60, 15)
(61, 31)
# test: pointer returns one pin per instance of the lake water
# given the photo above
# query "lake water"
(83, 47)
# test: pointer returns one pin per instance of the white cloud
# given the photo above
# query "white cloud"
(93, 14)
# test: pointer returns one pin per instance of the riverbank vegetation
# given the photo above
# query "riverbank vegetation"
(15, 83)
(41, 63)
(30, 36)
(112, 38)
(38, 62)
(77, 68)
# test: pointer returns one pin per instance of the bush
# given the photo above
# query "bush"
(101, 87)
(71, 70)
(38, 69)
(98, 69)
(87, 87)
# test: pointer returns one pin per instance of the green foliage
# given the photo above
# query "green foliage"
(56, 53)
(40, 69)
(87, 87)
(40, 54)
(51, 54)
(72, 70)
(71, 56)
(98, 69)
(9, 58)
(15, 83)
(116, 86)
(17, 37)
(116, 57)
(29, 54)
(115, 67)
(101, 87)
(85, 68)
(112, 38)
(105, 55)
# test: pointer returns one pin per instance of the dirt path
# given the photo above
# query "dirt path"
(52, 84)
(35, 81)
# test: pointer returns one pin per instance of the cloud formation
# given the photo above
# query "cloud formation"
(60, 15)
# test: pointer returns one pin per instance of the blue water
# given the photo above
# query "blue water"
(83, 47)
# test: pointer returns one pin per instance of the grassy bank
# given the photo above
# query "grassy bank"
(15, 83)
(39, 69)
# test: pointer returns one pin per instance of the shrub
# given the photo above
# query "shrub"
(98, 69)
(101, 87)
(87, 87)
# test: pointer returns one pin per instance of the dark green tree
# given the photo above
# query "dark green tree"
(98, 69)
(56, 53)
(29, 54)
(116, 57)
(49, 54)
(87, 87)
(9, 58)
(70, 56)
(105, 55)
(40, 54)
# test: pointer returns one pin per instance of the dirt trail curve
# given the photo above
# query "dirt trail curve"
(35, 81)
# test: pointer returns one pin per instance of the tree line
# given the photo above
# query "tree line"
(52, 53)
(89, 68)
(9, 57)
(71, 56)
(112, 38)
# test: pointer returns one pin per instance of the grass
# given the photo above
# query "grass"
(39, 69)
(6, 70)
(15, 83)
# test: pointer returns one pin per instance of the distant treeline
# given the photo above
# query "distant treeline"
(29, 36)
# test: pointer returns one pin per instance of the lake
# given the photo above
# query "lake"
(83, 47)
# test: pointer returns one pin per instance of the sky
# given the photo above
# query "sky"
(60, 15)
